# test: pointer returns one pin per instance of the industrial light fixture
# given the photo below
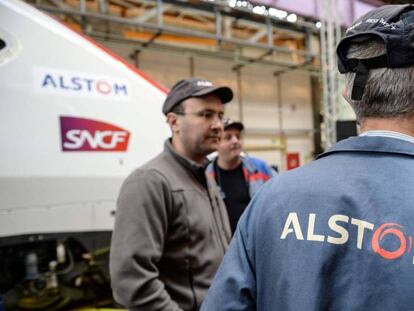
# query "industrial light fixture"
(262, 10)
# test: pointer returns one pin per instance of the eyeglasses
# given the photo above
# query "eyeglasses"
(207, 115)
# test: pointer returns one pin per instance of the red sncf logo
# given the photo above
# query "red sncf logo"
(79, 134)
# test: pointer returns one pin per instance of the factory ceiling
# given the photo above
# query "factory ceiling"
(235, 30)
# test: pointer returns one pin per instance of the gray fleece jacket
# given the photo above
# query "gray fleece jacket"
(171, 232)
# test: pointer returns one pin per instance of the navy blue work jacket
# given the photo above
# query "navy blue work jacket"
(336, 234)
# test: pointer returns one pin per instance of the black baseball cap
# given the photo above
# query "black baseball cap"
(228, 123)
(194, 87)
(393, 25)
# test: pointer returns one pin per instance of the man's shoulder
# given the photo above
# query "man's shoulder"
(291, 191)
(164, 167)
(302, 182)
(157, 163)
(257, 164)
(153, 169)
(255, 160)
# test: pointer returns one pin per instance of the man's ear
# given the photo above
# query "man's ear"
(345, 93)
(174, 122)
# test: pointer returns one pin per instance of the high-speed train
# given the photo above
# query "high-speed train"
(74, 121)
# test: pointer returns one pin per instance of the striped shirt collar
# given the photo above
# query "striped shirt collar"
(389, 134)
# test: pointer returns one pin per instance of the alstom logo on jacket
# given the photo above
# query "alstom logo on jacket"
(388, 240)
(80, 84)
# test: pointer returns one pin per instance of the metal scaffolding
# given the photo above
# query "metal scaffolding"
(330, 36)
(201, 26)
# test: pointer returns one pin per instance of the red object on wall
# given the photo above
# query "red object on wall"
(293, 160)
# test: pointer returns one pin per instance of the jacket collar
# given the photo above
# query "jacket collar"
(372, 144)
(191, 166)
(248, 165)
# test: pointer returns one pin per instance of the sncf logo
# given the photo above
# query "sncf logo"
(78, 134)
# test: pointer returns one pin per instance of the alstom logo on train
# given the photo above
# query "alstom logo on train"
(83, 84)
(79, 84)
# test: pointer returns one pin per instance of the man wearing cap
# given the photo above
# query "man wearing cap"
(237, 177)
(171, 228)
(337, 234)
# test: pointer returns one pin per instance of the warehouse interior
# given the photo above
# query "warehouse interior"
(272, 60)
(277, 62)
(279, 59)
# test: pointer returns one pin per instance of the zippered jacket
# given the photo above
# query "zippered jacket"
(336, 234)
(171, 232)
(256, 172)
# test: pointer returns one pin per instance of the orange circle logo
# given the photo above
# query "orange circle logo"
(384, 230)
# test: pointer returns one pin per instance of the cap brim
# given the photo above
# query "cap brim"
(223, 92)
(237, 125)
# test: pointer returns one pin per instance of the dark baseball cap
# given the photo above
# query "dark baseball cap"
(393, 25)
(228, 123)
(194, 87)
